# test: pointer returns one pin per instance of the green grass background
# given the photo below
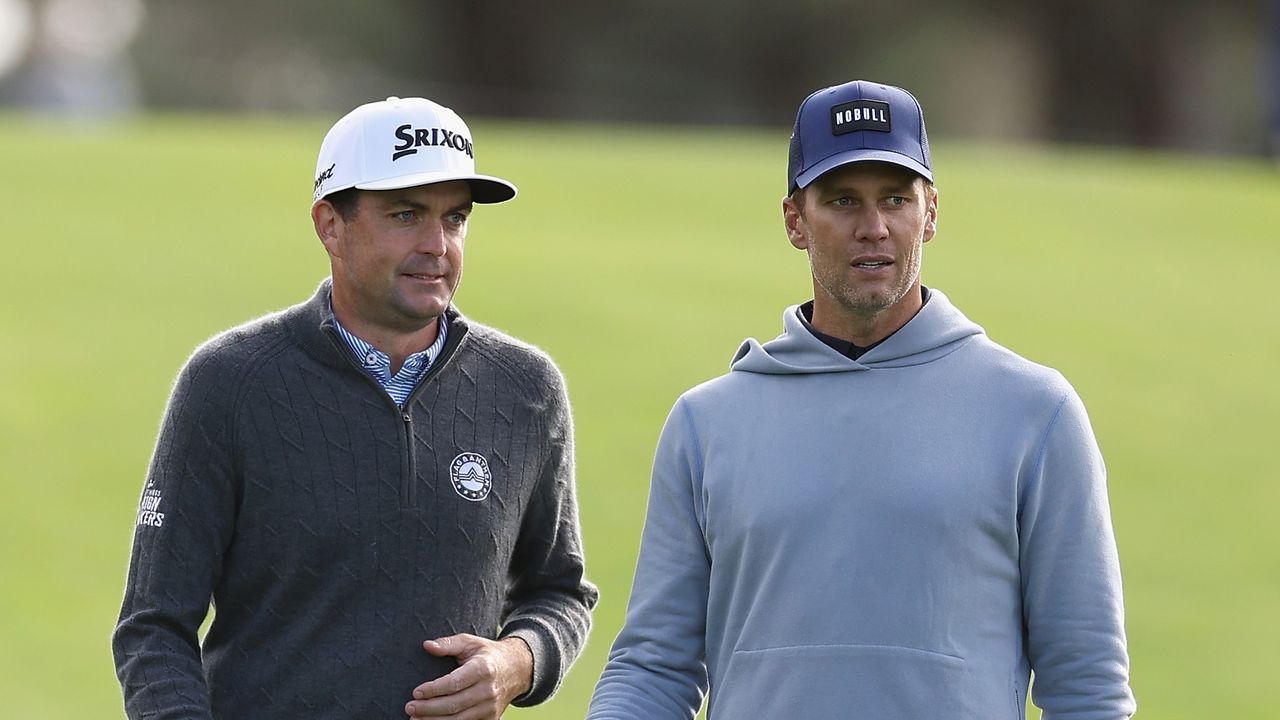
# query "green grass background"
(640, 258)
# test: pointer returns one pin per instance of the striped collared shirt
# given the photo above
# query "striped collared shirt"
(378, 364)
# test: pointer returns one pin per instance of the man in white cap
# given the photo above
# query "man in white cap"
(375, 492)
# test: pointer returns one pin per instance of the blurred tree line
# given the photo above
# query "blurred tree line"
(1174, 73)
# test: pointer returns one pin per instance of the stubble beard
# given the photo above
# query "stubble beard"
(411, 315)
(394, 309)
(868, 302)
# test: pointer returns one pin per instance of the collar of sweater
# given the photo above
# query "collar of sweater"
(313, 326)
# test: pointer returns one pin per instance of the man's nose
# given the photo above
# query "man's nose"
(871, 226)
(431, 238)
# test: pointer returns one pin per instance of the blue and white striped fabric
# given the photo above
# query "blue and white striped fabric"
(378, 364)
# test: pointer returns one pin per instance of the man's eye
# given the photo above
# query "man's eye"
(457, 218)
(897, 200)
(842, 201)
(404, 215)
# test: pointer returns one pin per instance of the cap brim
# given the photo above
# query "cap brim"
(484, 189)
(861, 155)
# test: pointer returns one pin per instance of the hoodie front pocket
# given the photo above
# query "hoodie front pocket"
(877, 682)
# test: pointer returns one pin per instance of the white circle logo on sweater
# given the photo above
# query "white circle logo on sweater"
(471, 476)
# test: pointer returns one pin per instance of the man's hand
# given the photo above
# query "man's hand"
(490, 674)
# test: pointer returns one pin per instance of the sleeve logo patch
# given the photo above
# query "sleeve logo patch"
(860, 115)
(471, 477)
(149, 514)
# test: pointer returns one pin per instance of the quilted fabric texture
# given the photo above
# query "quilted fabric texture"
(336, 532)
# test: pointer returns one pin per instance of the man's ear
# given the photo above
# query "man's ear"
(329, 226)
(931, 208)
(793, 219)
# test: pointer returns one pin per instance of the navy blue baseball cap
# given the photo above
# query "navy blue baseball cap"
(855, 122)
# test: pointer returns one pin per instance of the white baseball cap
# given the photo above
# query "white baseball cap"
(399, 143)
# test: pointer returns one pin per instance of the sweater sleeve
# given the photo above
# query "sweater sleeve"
(657, 667)
(1072, 602)
(549, 599)
(183, 527)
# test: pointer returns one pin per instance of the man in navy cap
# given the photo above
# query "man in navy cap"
(880, 513)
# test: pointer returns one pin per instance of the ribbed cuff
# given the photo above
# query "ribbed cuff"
(546, 657)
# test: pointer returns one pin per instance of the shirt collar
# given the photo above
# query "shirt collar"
(378, 363)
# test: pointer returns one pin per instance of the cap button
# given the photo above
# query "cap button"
(393, 98)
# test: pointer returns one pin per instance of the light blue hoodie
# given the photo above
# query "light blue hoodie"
(901, 537)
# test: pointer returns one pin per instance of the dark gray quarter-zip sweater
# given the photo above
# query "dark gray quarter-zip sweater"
(335, 532)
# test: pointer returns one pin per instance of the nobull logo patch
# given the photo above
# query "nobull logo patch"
(860, 115)
(412, 138)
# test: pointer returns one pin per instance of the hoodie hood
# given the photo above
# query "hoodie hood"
(936, 331)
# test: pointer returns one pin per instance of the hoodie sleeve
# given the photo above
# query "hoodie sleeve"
(657, 667)
(1072, 602)
(184, 524)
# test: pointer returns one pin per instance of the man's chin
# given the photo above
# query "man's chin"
(426, 316)
(423, 305)
(417, 315)
(870, 303)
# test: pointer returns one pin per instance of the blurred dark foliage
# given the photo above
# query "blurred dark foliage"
(1167, 73)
